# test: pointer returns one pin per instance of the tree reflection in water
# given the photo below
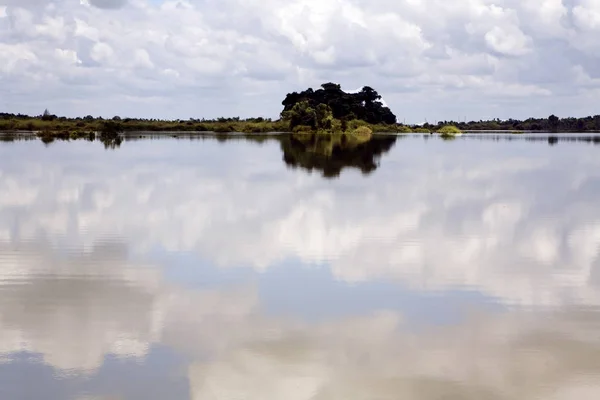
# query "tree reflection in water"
(331, 153)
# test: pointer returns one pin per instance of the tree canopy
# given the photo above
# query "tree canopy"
(364, 105)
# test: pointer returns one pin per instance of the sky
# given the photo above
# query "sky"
(431, 60)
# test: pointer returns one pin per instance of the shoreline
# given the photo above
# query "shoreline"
(57, 133)
(114, 140)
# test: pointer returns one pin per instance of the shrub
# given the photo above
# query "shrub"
(280, 126)
(224, 128)
(302, 129)
(362, 131)
(7, 125)
(111, 128)
(449, 130)
(336, 126)
(421, 130)
(355, 123)
(251, 128)
(402, 129)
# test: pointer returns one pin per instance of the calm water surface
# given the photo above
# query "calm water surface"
(409, 268)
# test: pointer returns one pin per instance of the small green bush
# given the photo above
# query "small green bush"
(356, 123)
(362, 131)
(402, 129)
(421, 130)
(221, 128)
(449, 130)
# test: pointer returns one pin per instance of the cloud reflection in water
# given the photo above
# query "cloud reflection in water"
(516, 222)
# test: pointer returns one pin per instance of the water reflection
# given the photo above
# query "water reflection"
(551, 139)
(555, 356)
(330, 154)
(203, 270)
(75, 308)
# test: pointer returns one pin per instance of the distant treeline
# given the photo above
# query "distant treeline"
(52, 123)
(21, 122)
(304, 108)
(550, 124)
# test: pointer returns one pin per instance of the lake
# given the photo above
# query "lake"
(211, 268)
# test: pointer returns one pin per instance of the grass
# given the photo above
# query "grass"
(420, 130)
(353, 126)
(88, 128)
(129, 125)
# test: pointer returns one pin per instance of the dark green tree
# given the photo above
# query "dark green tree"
(324, 117)
(301, 114)
(553, 122)
(46, 116)
(365, 105)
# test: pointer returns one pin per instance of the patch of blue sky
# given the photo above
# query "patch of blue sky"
(312, 293)
(115, 375)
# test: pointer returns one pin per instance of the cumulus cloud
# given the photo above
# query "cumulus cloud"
(240, 58)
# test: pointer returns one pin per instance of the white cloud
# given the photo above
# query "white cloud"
(102, 53)
(69, 56)
(14, 55)
(142, 59)
(269, 48)
(53, 28)
(507, 41)
(587, 14)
